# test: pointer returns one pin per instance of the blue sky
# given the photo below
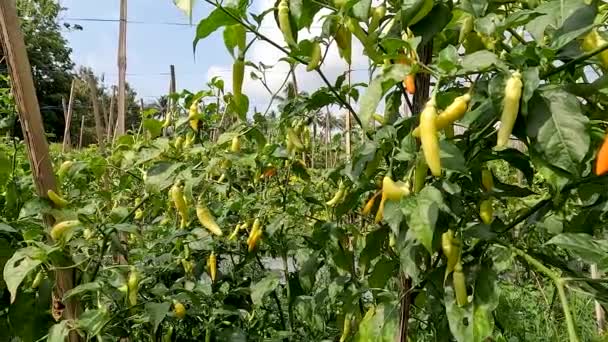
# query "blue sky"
(151, 47)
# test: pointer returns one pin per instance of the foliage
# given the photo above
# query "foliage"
(321, 270)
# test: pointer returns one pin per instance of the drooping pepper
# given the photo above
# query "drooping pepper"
(238, 76)
(601, 161)
(429, 138)
(315, 56)
(212, 264)
(207, 220)
(455, 111)
(460, 286)
(510, 110)
(285, 23)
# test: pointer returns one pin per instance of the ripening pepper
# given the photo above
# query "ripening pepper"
(57, 200)
(177, 196)
(179, 309)
(59, 230)
(367, 209)
(486, 211)
(455, 111)
(315, 56)
(285, 23)
(238, 76)
(207, 220)
(338, 196)
(429, 138)
(601, 161)
(460, 286)
(451, 250)
(510, 109)
(212, 264)
(133, 286)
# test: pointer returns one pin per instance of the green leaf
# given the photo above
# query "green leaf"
(303, 12)
(448, 59)
(376, 90)
(433, 22)
(451, 157)
(485, 301)
(218, 18)
(383, 270)
(93, 321)
(361, 9)
(479, 61)
(59, 332)
(378, 325)
(260, 289)
(559, 129)
(19, 266)
(476, 7)
(82, 288)
(531, 80)
(585, 247)
(6, 228)
(161, 175)
(5, 169)
(157, 312)
(422, 216)
(153, 126)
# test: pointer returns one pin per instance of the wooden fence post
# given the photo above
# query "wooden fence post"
(67, 140)
(122, 70)
(111, 121)
(33, 135)
(96, 113)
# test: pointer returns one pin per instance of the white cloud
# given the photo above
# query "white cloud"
(261, 51)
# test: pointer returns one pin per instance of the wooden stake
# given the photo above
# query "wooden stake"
(170, 106)
(122, 70)
(33, 134)
(600, 314)
(67, 140)
(111, 123)
(98, 121)
(81, 131)
(347, 123)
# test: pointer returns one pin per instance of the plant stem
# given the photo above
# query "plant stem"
(559, 284)
(578, 59)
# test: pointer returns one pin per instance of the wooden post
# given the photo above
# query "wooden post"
(111, 123)
(98, 121)
(327, 138)
(81, 132)
(347, 123)
(170, 105)
(67, 140)
(122, 70)
(600, 314)
(34, 138)
(172, 81)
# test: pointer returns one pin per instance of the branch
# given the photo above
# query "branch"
(546, 201)
(578, 59)
(296, 58)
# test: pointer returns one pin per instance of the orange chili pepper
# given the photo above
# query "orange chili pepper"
(601, 161)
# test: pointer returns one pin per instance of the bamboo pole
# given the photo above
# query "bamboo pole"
(67, 140)
(35, 141)
(122, 70)
(98, 121)
(81, 133)
(170, 103)
(600, 314)
(111, 123)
